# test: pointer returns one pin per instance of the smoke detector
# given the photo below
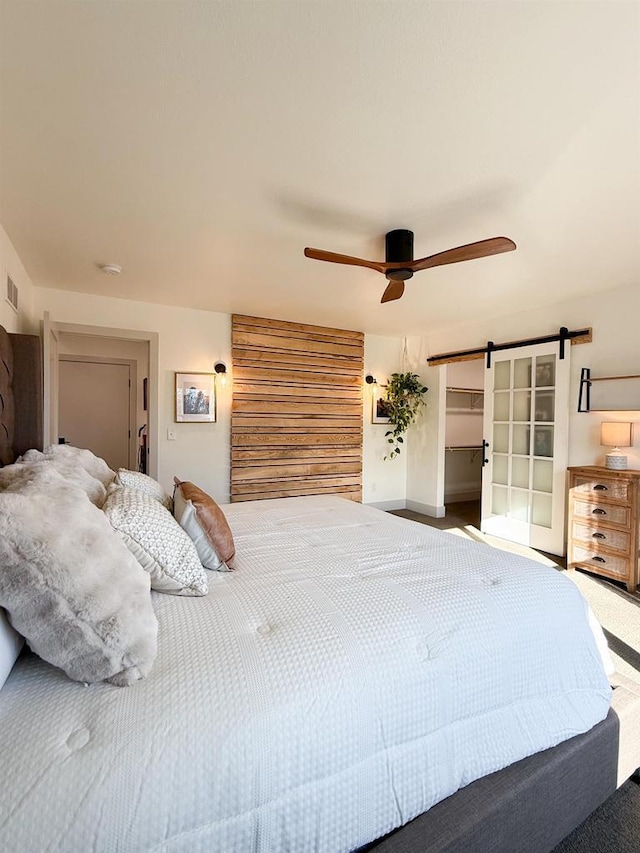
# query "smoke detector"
(111, 269)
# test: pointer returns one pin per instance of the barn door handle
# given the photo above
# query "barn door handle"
(485, 445)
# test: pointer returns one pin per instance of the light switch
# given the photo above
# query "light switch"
(171, 434)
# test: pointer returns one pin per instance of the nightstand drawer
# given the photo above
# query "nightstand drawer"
(600, 562)
(605, 489)
(607, 513)
(596, 536)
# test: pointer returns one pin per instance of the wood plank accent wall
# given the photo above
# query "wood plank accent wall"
(296, 418)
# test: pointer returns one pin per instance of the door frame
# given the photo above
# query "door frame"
(152, 340)
(133, 395)
(50, 345)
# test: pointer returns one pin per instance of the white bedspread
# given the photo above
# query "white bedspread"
(355, 669)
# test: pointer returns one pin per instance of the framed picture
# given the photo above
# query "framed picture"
(195, 398)
(379, 414)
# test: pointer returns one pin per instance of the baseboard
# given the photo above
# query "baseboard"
(462, 495)
(387, 505)
(426, 509)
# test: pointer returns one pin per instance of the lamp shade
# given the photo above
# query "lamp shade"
(613, 434)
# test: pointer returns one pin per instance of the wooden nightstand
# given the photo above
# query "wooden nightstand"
(603, 522)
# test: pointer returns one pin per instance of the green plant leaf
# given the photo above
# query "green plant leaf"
(404, 399)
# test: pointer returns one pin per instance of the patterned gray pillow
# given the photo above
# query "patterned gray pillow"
(156, 540)
(146, 484)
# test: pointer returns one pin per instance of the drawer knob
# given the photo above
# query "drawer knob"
(600, 487)
(598, 511)
(598, 559)
(598, 536)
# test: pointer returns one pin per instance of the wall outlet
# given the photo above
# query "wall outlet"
(171, 434)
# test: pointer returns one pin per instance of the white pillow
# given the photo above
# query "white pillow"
(10, 645)
(71, 587)
(144, 483)
(77, 457)
(157, 541)
(38, 468)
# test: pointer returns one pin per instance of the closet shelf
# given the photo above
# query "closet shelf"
(476, 397)
(464, 447)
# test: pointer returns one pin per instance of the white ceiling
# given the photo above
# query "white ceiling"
(203, 145)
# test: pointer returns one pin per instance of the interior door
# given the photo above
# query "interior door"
(95, 408)
(50, 380)
(526, 419)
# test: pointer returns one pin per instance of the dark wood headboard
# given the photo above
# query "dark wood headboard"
(21, 395)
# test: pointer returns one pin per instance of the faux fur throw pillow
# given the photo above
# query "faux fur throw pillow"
(71, 587)
(39, 469)
(77, 457)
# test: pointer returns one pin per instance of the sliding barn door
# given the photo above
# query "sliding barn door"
(296, 423)
(526, 420)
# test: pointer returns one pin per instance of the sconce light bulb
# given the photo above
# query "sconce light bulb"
(221, 372)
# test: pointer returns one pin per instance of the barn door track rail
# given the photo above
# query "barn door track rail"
(578, 336)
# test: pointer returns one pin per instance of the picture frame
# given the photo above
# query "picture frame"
(195, 398)
(378, 409)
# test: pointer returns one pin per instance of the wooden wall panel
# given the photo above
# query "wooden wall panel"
(296, 418)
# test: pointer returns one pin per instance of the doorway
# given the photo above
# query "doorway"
(463, 440)
(73, 342)
(97, 407)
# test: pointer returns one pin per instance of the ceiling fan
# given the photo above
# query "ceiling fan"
(400, 266)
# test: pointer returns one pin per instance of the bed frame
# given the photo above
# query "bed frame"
(528, 807)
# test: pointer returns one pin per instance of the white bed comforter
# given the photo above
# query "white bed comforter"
(353, 671)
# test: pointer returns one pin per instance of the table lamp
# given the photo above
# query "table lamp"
(615, 435)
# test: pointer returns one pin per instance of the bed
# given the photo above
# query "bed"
(358, 682)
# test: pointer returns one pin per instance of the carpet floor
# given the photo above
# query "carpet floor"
(615, 826)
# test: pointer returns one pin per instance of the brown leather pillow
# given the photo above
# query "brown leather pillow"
(205, 523)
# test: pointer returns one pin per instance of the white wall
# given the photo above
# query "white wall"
(615, 350)
(191, 340)
(425, 439)
(26, 320)
(384, 482)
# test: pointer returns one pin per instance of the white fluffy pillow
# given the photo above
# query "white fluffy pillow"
(77, 457)
(70, 585)
(40, 469)
(157, 541)
(144, 483)
(10, 645)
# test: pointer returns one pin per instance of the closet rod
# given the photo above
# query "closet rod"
(579, 336)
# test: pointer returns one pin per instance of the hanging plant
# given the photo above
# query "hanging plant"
(403, 401)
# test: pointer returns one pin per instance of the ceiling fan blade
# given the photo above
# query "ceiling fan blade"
(332, 257)
(394, 290)
(469, 252)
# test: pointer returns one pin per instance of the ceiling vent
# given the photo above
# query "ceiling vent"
(12, 293)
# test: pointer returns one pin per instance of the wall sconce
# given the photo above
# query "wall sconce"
(221, 372)
(371, 380)
(615, 435)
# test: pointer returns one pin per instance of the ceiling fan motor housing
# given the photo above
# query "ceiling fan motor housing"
(399, 248)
